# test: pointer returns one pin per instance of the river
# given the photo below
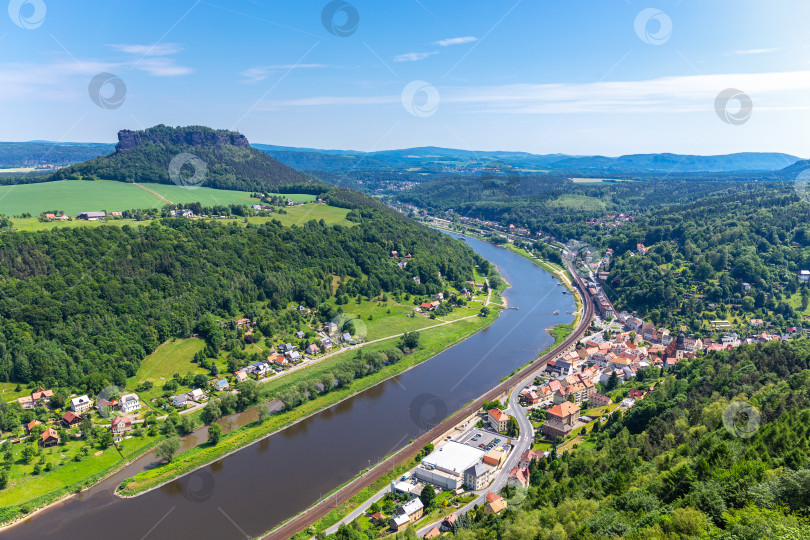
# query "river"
(255, 489)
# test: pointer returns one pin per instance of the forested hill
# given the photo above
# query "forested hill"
(145, 156)
(719, 450)
(81, 301)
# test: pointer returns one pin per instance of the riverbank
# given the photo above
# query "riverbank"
(434, 341)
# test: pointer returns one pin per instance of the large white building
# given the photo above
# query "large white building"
(445, 466)
(129, 403)
(80, 404)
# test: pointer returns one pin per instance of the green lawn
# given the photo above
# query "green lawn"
(24, 486)
(298, 215)
(169, 358)
(74, 196)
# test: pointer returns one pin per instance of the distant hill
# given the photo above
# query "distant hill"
(39, 153)
(433, 159)
(231, 163)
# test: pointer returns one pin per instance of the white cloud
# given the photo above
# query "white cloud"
(748, 52)
(455, 41)
(770, 92)
(154, 59)
(414, 56)
(160, 49)
(260, 73)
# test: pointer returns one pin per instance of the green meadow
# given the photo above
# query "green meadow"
(74, 196)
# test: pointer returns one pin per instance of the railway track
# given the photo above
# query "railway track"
(323, 507)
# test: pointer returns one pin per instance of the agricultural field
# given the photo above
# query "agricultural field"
(298, 215)
(74, 196)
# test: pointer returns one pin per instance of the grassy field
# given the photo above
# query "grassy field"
(74, 196)
(298, 215)
(169, 358)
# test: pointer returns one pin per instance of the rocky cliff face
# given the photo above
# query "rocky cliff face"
(128, 139)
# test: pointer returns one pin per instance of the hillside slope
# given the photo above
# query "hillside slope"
(230, 162)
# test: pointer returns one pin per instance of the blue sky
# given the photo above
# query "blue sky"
(578, 77)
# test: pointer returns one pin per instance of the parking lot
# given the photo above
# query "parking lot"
(482, 439)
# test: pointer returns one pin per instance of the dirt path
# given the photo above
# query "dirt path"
(156, 194)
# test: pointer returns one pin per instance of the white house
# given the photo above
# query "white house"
(80, 404)
(129, 403)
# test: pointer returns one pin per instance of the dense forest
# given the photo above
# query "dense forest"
(145, 156)
(719, 450)
(83, 301)
(714, 249)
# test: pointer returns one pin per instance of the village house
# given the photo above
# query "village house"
(330, 328)
(312, 349)
(119, 427)
(599, 400)
(81, 404)
(70, 419)
(49, 438)
(495, 504)
(561, 420)
(38, 398)
(408, 513)
(497, 419)
(518, 476)
(196, 395)
(180, 401)
(240, 375)
(221, 385)
(478, 476)
(30, 425)
(527, 457)
(129, 403)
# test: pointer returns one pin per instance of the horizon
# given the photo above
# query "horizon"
(591, 79)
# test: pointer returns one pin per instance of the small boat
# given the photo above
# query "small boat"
(557, 312)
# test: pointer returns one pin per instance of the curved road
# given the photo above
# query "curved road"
(515, 382)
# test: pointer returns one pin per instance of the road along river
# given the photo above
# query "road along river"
(253, 490)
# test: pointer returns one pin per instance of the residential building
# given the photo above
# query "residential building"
(81, 404)
(129, 403)
(119, 427)
(49, 438)
(527, 458)
(495, 504)
(30, 425)
(70, 419)
(180, 401)
(411, 511)
(221, 385)
(240, 375)
(38, 398)
(599, 400)
(497, 419)
(561, 420)
(518, 476)
(478, 476)
(196, 395)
